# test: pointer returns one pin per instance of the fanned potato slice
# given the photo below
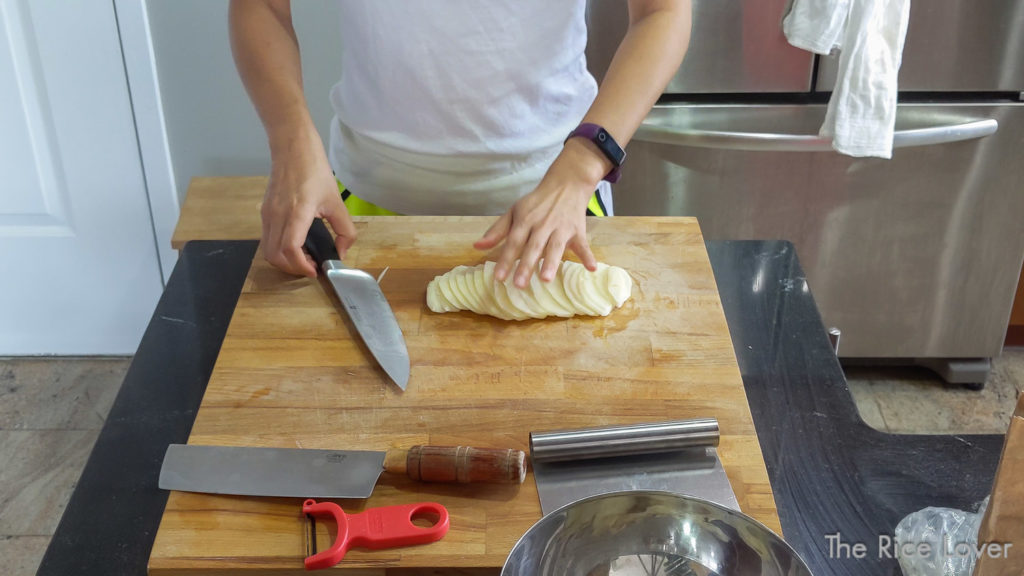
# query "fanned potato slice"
(432, 302)
(556, 289)
(487, 284)
(475, 278)
(602, 283)
(544, 298)
(442, 303)
(523, 299)
(467, 290)
(596, 298)
(484, 283)
(448, 292)
(572, 284)
(504, 303)
(618, 284)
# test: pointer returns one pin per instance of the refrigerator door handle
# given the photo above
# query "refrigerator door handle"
(733, 140)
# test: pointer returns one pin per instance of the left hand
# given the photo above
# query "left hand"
(548, 220)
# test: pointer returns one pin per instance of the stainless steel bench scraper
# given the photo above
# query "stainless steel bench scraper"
(677, 456)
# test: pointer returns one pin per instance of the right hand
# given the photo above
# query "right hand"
(302, 187)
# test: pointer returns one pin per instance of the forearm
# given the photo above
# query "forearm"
(266, 53)
(647, 58)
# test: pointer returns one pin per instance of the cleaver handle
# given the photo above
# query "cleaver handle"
(458, 464)
(320, 243)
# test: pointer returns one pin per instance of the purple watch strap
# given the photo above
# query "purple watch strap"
(606, 144)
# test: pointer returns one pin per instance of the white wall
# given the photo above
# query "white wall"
(211, 125)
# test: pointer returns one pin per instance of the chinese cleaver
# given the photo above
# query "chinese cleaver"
(305, 473)
(365, 304)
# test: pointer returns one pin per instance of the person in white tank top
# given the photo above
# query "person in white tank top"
(454, 107)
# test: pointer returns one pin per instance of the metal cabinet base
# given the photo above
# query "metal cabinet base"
(971, 372)
(915, 257)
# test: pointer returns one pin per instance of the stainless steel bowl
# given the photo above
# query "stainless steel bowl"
(646, 533)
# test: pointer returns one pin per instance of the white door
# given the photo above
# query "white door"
(79, 271)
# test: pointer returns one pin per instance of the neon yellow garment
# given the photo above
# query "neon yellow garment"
(358, 207)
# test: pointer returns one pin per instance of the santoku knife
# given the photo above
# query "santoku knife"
(304, 473)
(365, 304)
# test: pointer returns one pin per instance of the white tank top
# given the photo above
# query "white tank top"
(456, 106)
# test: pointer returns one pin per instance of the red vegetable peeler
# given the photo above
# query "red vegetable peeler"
(375, 528)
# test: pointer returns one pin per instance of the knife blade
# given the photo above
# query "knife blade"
(305, 473)
(365, 304)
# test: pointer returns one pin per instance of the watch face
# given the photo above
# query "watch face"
(609, 147)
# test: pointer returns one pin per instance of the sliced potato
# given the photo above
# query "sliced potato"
(467, 290)
(486, 284)
(432, 301)
(504, 303)
(602, 283)
(476, 280)
(521, 300)
(556, 290)
(573, 290)
(449, 294)
(596, 298)
(572, 285)
(619, 285)
(544, 298)
(442, 303)
(524, 298)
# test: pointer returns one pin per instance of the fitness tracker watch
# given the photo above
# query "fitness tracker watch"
(606, 144)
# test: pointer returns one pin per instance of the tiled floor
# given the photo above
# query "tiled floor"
(908, 400)
(51, 411)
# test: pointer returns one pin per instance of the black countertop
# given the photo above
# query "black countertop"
(830, 472)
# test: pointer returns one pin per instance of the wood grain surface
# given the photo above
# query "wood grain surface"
(221, 208)
(292, 373)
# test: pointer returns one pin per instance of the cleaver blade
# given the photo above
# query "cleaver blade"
(305, 473)
(298, 473)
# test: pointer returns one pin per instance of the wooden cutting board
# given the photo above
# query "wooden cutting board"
(292, 373)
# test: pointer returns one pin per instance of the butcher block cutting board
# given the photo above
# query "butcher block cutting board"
(293, 373)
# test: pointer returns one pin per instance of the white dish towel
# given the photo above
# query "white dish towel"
(869, 35)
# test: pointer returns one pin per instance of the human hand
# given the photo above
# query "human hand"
(301, 188)
(548, 220)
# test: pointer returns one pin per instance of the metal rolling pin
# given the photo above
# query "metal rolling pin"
(561, 445)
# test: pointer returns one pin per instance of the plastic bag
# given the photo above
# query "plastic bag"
(951, 535)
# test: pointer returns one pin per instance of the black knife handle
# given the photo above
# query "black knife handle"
(320, 243)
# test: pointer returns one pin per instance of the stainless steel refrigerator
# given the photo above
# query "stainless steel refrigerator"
(914, 259)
